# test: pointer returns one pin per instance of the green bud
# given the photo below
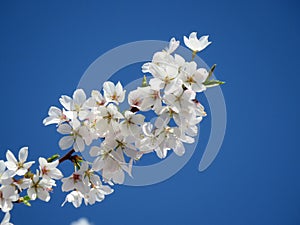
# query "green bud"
(144, 82)
(53, 158)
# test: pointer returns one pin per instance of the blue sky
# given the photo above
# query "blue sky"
(45, 47)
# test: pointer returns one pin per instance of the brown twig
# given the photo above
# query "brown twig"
(66, 156)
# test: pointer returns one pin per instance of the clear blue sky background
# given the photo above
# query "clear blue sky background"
(45, 47)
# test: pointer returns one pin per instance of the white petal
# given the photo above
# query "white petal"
(10, 157)
(64, 129)
(95, 151)
(55, 174)
(6, 219)
(179, 149)
(79, 97)
(66, 142)
(8, 174)
(66, 101)
(119, 177)
(43, 195)
(67, 185)
(79, 144)
(31, 193)
(23, 154)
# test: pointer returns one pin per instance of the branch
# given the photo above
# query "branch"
(66, 156)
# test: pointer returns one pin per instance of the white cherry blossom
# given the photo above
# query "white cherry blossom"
(74, 197)
(8, 195)
(19, 167)
(40, 188)
(76, 181)
(74, 138)
(113, 93)
(173, 45)
(131, 123)
(48, 169)
(196, 44)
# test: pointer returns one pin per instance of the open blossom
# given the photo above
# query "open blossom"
(131, 123)
(40, 188)
(48, 169)
(150, 99)
(95, 100)
(56, 116)
(75, 136)
(6, 219)
(110, 162)
(97, 194)
(74, 106)
(5, 174)
(19, 167)
(8, 195)
(135, 99)
(173, 45)
(181, 99)
(196, 44)
(113, 93)
(77, 181)
(108, 120)
(192, 77)
(74, 197)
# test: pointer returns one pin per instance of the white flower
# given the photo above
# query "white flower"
(164, 78)
(75, 137)
(113, 93)
(76, 181)
(95, 100)
(97, 194)
(135, 98)
(75, 197)
(6, 219)
(75, 105)
(109, 116)
(131, 123)
(110, 162)
(173, 45)
(49, 170)
(5, 174)
(181, 100)
(20, 167)
(196, 44)
(8, 195)
(151, 99)
(40, 188)
(192, 77)
(56, 116)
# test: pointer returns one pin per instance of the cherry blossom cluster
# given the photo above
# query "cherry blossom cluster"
(20, 185)
(125, 135)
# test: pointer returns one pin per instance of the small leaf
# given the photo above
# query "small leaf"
(53, 158)
(211, 72)
(26, 198)
(212, 83)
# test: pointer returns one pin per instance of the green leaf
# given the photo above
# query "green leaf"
(212, 83)
(53, 158)
(211, 72)
(26, 198)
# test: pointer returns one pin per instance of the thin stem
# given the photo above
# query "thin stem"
(193, 55)
(66, 156)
